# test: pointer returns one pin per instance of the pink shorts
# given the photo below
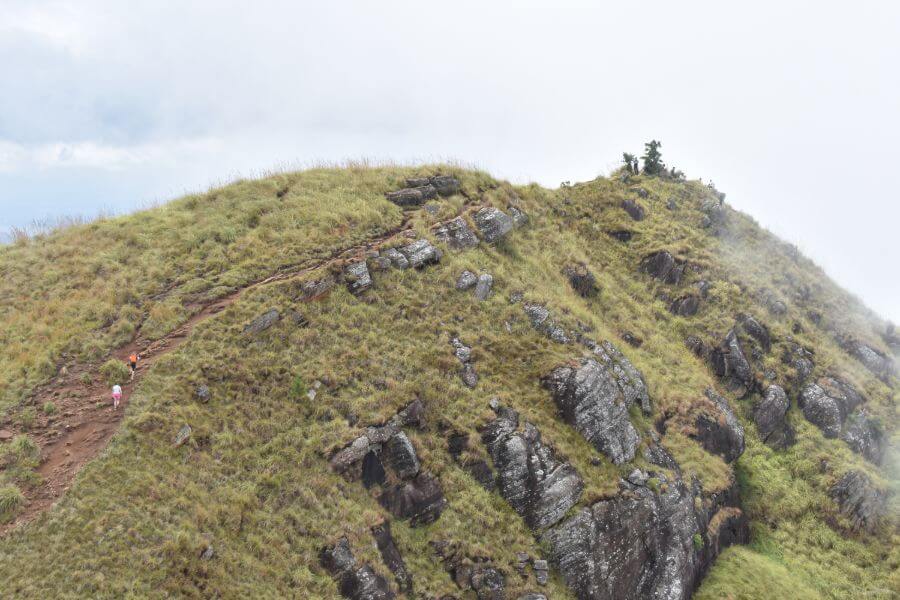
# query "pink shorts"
(117, 396)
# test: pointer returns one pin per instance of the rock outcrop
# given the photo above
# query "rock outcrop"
(827, 403)
(485, 580)
(731, 365)
(719, 430)
(595, 399)
(464, 354)
(355, 582)
(582, 280)
(262, 322)
(493, 224)
(456, 234)
(483, 286)
(663, 266)
(877, 362)
(420, 253)
(685, 306)
(421, 189)
(643, 544)
(859, 500)
(864, 436)
(467, 279)
(634, 209)
(537, 485)
(420, 500)
(770, 416)
(357, 277)
(391, 556)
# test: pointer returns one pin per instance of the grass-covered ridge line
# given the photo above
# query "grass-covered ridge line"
(252, 481)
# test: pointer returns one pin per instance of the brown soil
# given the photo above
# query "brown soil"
(85, 420)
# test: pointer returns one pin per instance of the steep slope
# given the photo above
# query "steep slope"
(329, 408)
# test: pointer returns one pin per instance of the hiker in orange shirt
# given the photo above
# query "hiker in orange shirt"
(132, 364)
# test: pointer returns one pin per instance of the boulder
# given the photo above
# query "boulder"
(391, 556)
(484, 285)
(373, 472)
(493, 224)
(634, 210)
(827, 403)
(582, 280)
(719, 431)
(488, 584)
(411, 197)
(800, 359)
(202, 393)
(467, 279)
(756, 330)
(859, 500)
(671, 204)
(357, 277)
(770, 416)
(420, 500)
(622, 235)
(183, 435)
(421, 253)
(262, 322)
(456, 234)
(875, 361)
(400, 456)
(396, 258)
(593, 402)
(353, 454)
(539, 316)
(663, 266)
(731, 366)
(520, 219)
(541, 571)
(537, 485)
(686, 306)
(354, 582)
(864, 435)
(445, 185)
(469, 376)
(643, 544)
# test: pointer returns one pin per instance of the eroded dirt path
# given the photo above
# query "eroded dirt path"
(85, 421)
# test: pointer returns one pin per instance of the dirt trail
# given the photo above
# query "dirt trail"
(85, 421)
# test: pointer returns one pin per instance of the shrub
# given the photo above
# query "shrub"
(11, 499)
(653, 163)
(298, 388)
(49, 408)
(115, 371)
(698, 541)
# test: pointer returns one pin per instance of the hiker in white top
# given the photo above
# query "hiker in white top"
(117, 395)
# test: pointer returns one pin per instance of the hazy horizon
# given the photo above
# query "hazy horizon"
(790, 110)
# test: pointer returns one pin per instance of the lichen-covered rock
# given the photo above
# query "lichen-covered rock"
(421, 500)
(582, 280)
(770, 416)
(634, 210)
(593, 402)
(827, 403)
(489, 584)
(484, 285)
(354, 582)
(641, 544)
(864, 436)
(537, 485)
(351, 456)
(262, 322)
(720, 432)
(800, 359)
(859, 500)
(467, 279)
(756, 330)
(456, 234)
(396, 258)
(493, 224)
(520, 219)
(445, 185)
(685, 306)
(399, 455)
(357, 277)
(731, 366)
(411, 197)
(469, 375)
(875, 361)
(391, 556)
(539, 316)
(663, 266)
(420, 253)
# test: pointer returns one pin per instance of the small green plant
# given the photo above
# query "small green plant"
(85, 378)
(11, 499)
(49, 408)
(698, 542)
(653, 163)
(298, 388)
(26, 417)
(653, 484)
(114, 371)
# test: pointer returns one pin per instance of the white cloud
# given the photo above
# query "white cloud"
(94, 155)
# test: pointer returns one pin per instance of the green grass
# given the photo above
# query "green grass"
(253, 479)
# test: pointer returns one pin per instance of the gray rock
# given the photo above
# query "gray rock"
(827, 403)
(396, 258)
(770, 416)
(421, 253)
(641, 544)
(864, 435)
(357, 277)
(445, 184)
(461, 351)
(493, 224)
(655, 454)
(671, 204)
(591, 400)
(400, 456)
(456, 234)
(634, 210)
(685, 306)
(208, 553)
(875, 361)
(637, 477)
(202, 393)
(354, 582)
(541, 571)
(183, 435)
(537, 485)
(466, 280)
(483, 288)
(582, 280)
(262, 322)
(730, 365)
(411, 197)
(391, 556)
(720, 432)
(860, 501)
(757, 331)
(520, 219)
(663, 266)
(469, 376)
(488, 584)
(420, 500)
(800, 359)
(538, 315)
(623, 235)
(352, 455)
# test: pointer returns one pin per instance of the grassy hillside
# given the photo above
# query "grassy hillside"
(252, 482)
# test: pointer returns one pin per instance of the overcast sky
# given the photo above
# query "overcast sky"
(793, 109)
